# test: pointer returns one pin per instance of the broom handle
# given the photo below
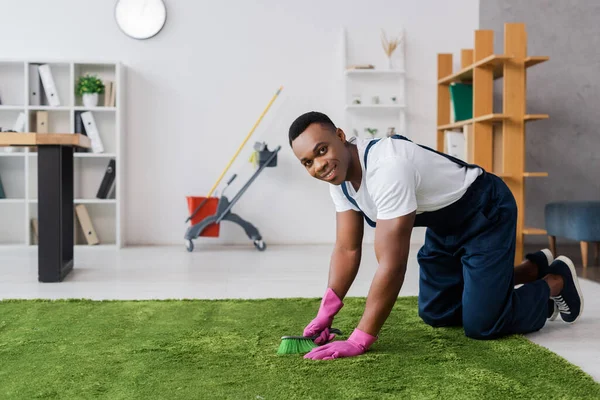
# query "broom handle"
(244, 142)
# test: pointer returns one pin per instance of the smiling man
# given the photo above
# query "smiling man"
(467, 277)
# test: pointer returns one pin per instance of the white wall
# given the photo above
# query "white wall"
(196, 89)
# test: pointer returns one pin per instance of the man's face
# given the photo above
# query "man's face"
(323, 153)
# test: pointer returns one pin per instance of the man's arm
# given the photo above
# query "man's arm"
(392, 245)
(346, 256)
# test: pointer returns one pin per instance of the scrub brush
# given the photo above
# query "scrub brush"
(300, 344)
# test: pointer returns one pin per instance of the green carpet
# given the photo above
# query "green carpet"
(227, 350)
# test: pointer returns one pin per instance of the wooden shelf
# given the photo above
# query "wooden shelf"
(493, 118)
(495, 61)
(535, 174)
(536, 117)
(525, 175)
(535, 60)
(534, 231)
(496, 141)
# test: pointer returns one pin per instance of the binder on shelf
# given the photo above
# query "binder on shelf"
(461, 101)
(79, 128)
(19, 125)
(49, 86)
(108, 181)
(41, 121)
(455, 144)
(34, 231)
(35, 94)
(92, 131)
(86, 224)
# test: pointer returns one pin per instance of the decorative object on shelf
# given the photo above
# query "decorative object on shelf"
(140, 19)
(394, 99)
(372, 131)
(391, 131)
(389, 46)
(89, 87)
(375, 100)
(356, 99)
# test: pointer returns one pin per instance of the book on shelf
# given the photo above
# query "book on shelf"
(109, 93)
(108, 181)
(360, 66)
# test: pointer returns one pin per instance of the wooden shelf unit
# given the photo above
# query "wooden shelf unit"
(480, 67)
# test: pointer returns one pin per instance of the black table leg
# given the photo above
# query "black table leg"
(55, 212)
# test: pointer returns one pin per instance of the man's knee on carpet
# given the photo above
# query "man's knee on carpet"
(448, 318)
(481, 325)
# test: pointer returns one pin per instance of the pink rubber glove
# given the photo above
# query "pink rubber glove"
(330, 306)
(357, 344)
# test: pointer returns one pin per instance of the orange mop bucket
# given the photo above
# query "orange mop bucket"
(209, 208)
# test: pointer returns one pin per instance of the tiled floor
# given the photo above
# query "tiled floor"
(242, 272)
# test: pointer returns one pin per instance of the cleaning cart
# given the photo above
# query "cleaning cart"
(208, 225)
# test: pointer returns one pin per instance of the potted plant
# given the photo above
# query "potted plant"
(372, 131)
(89, 87)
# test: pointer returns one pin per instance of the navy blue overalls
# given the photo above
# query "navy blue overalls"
(466, 262)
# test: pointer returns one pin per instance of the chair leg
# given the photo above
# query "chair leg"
(552, 243)
(584, 253)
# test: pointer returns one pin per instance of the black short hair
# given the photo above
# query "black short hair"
(306, 119)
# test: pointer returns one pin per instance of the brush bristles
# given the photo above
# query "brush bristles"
(296, 346)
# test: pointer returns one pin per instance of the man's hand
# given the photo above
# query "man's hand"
(330, 306)
(342, 271)
(357, 344)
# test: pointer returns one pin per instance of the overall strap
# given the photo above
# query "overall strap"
(345, 190)
(448, 156)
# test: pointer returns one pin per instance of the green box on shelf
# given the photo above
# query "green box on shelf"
(461, 100)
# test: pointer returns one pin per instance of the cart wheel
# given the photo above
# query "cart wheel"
(189, 245)
(260, 245)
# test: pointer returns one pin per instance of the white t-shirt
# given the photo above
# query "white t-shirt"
(403, 177)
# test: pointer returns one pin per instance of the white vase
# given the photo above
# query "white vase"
(90, 99)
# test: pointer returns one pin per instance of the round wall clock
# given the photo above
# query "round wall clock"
(140, 19)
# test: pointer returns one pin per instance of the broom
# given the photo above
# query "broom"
(210, 192)
(300, 344)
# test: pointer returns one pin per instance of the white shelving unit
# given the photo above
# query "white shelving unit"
(18, 169)
(376, 87)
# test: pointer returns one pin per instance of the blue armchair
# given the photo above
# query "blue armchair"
(575, 220)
